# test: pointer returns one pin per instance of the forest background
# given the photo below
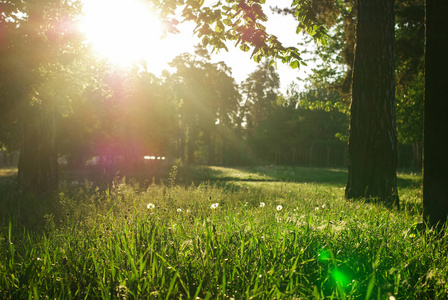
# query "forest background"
(197, 113)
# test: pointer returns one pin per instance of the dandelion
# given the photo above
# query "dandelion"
(262, 204)
(323, 206)
(179, 210)
(214, 205)
(279, 207)
(317, 208)
(150, 206)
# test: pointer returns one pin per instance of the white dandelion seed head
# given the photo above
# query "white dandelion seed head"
(179, 210)
(150, 206)
(262, 204)
(214, 205)
(279, 207)
(323, 206)
(317, 208)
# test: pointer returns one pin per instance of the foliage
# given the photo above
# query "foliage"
(241, 22)
(409, 70)
(260, 91)
(208, 101)
(301, 128)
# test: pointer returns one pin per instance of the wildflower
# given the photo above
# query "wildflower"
(122, 292)
(279, 207)
(323, 206)
(262, 204)
(317, 208)
(214, 205)
(179, 210)
(150, 206)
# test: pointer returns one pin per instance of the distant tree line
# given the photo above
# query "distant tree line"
(199, 115)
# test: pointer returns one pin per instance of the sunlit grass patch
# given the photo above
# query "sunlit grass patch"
(4, 172)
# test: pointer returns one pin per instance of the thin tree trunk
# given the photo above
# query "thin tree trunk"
(417, 155)
(435, 148)
(211, 155)
(372, 153)
(294, 155)
(37, 168)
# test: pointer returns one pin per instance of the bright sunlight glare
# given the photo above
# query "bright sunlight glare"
(122, 31)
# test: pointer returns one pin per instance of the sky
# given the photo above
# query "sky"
(134, 36)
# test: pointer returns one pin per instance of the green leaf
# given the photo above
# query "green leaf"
(219, 27)
(257, 58)
(245, 47)
(294, 64)
(227, 22)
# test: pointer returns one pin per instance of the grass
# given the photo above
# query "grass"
(218, 233)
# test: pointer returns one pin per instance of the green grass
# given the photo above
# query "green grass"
(218, 233)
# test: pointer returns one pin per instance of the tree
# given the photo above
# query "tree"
(372, 154)
(409, 72)
(40, 46)
(435, 163)
(208, 101)
(260, 90)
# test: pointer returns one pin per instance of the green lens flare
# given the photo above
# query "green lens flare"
(340, 278)
(325, 255)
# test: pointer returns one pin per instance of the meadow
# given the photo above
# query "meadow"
(267, 232)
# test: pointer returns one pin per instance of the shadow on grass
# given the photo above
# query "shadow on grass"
(409, 180)
(263, 174)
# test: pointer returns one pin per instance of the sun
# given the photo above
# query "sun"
(123, 31)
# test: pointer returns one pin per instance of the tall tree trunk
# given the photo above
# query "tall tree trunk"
(372, 154)
(211, 153)
(435, 148)
(417, 155)
(38, 156)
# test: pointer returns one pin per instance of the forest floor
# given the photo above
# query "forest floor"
(266, 232)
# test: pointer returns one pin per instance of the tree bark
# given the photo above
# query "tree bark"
(435, 148)
(372, 153)
(37, 168)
